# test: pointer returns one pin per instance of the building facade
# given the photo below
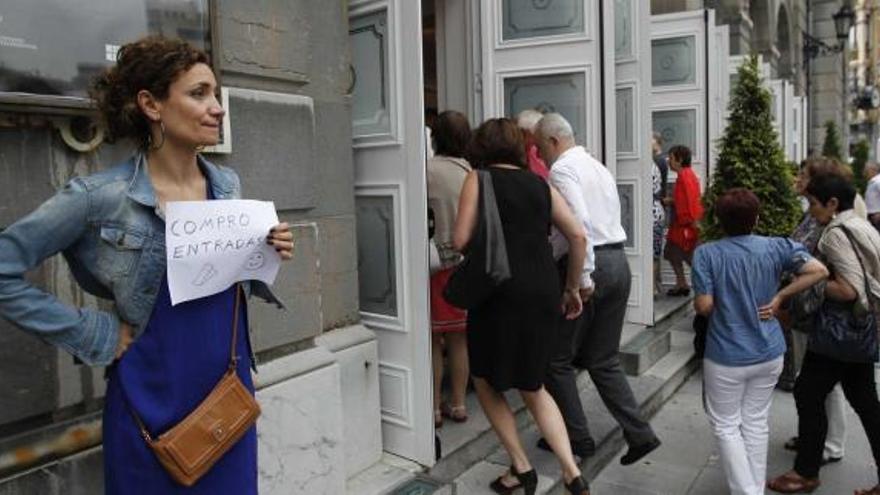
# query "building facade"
(799, 42)
(864, 77)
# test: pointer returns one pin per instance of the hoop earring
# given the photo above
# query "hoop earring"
(150, 144)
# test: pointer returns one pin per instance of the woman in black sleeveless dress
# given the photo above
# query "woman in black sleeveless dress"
(511, 335)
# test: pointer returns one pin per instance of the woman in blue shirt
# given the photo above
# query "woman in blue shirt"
(736, 281)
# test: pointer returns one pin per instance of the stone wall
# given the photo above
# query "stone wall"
(826, 83)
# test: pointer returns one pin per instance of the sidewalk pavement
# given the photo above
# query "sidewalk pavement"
(687, 463)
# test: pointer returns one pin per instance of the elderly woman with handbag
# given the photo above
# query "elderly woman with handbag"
(843, 346)
(799, 323)
(166, 360)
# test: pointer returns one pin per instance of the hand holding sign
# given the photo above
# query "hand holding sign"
(212, 244)
(281, 238)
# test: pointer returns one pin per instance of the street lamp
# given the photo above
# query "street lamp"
(813, 47)
(843, 22)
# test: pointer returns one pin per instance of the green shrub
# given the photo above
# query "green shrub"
(750, 156)
(832, 147)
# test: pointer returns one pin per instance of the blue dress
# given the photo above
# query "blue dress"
(165, 374)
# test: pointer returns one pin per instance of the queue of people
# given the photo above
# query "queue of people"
(744, 286)
(562, 309)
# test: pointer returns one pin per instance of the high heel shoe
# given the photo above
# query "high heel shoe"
(578, 486)
(528, 481)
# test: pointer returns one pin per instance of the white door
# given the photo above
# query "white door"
(544, 55)
(804, 127)
(795, 130)
(632, 71)
(720, 82)
(791, 125)
(785, 112)
(688, 95)
(391, 206)
(778, 110)
(559, 56)
(686, 91)
(777, 106)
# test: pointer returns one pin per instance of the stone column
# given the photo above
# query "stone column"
(826, 81)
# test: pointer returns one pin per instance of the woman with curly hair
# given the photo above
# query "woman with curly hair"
(164, 360)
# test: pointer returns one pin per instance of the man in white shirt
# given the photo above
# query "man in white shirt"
(872, 193)
(592, 342)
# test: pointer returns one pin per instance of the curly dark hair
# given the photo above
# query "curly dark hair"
(151, 63)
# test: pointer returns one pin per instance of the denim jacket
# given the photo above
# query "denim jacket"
(108, 227)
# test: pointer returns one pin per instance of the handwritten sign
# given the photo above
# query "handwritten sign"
(213, 244)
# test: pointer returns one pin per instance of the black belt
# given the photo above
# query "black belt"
(606, 247)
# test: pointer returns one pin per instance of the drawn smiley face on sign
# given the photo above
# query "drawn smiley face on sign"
(255, 261)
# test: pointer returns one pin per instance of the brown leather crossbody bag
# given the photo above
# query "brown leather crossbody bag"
(189, 449)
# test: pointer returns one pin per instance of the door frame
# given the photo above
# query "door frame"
(384, 167)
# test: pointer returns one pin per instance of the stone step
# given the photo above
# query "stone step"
(385, 476)
(652, 388)
(667, 308)
(464, 445)
(642, 347)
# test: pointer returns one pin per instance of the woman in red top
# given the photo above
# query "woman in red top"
(683, 235)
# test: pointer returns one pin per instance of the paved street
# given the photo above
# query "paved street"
(688, 461)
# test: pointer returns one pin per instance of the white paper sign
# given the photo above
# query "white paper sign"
(213, 244)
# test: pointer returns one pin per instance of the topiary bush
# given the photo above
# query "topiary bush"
(750, 156)
(832, 147)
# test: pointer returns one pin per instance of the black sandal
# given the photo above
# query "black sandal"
(679, 291)
(578, 486)
(528, 481)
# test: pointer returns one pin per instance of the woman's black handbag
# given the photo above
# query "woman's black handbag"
(842, 333)
(803, 306)
(485, 264)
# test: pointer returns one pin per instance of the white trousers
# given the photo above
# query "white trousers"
(737, 400)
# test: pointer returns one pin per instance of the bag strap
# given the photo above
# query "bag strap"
(497, 263)
(233, 364)
(868, 294)
(480, 227)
